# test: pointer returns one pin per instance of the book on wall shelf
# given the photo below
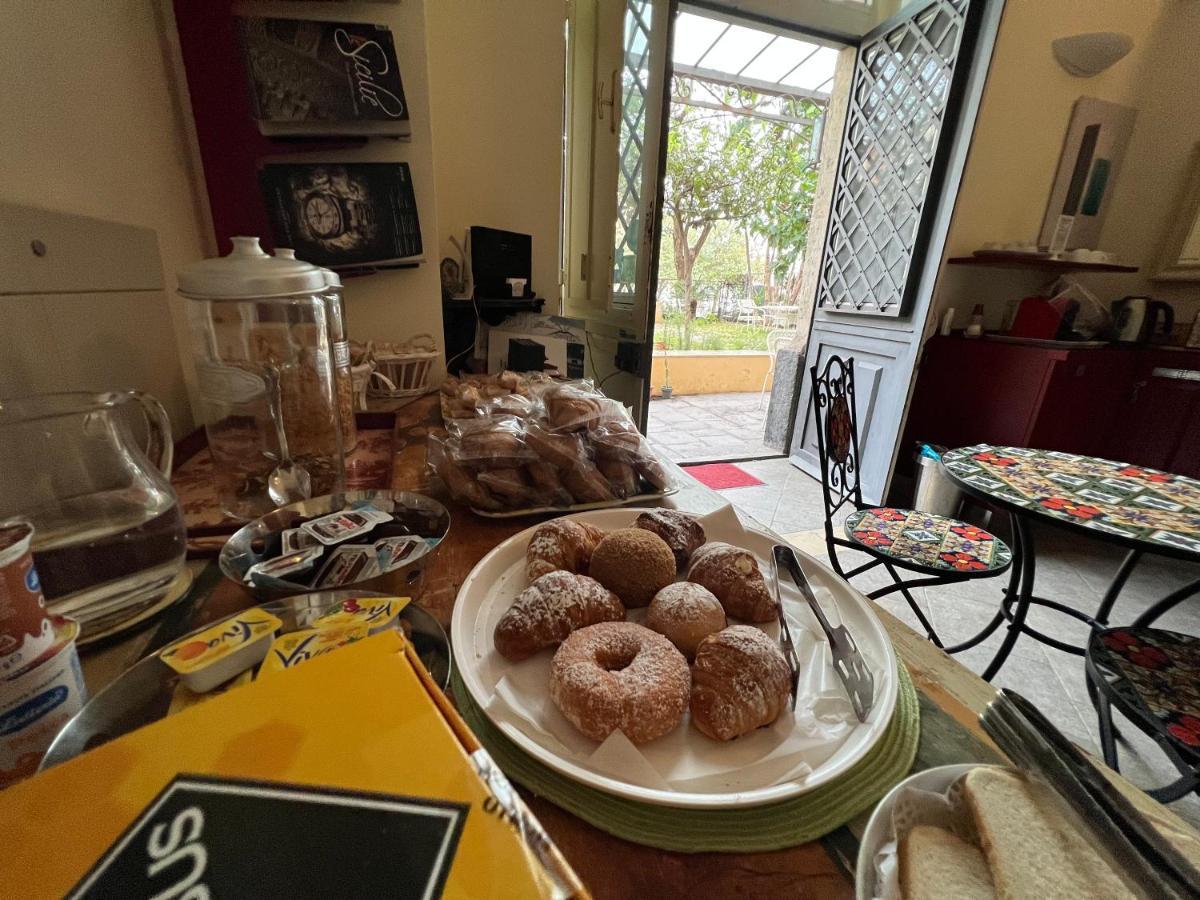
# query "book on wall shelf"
(343, 215)
(312, 78)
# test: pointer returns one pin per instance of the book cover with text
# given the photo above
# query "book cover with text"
(331, 78)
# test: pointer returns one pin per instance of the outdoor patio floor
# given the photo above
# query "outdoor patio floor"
(1069, 568)
(705, 427)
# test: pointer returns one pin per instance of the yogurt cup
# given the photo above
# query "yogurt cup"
(290, 650)
(217, 654)
(37, 701)
(377, 613)
(26, 631)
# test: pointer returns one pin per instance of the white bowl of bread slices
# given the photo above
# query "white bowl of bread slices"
(972, 832)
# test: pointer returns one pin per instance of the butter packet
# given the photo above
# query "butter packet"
(377, 613)
(228, 648)
(289, 650)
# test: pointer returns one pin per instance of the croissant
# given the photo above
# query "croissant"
(561, 544)
(562, 450)
(586, 484)
(620, 476)
(740, 682)
(550, 609)
(732, 574)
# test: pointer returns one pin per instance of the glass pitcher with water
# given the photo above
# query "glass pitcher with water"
(91, 472)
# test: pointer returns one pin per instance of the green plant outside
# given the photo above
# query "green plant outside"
(711, 334)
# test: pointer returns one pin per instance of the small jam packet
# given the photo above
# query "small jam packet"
(294, 563)
(346, 565)
(228, 648)
(294, 539)
(342, 526)
(377, 613)
(394, 552)
(290, 650)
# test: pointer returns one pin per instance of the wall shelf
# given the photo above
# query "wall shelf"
(1038, 263)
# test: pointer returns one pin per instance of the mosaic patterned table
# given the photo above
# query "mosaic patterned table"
(1143, 510)
(1134, 505)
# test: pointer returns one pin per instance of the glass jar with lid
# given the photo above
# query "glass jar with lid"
(265, 373)
(343, 379)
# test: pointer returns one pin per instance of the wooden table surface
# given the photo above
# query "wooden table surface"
(951, 699)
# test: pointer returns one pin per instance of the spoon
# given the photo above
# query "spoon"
(288, 481)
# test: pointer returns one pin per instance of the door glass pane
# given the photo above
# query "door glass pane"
(635, 75)
(898, 107)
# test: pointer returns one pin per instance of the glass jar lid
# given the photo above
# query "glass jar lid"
(249, 273)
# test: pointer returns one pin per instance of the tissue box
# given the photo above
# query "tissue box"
(348, 776)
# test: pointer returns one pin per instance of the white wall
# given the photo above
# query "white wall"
(496, 80)
(1020, 129)
(87, 126)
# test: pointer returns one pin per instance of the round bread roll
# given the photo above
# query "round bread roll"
(618, 676)
(551, 608)
(634, 564)
(740, 682)
(683, 533)
(685, 614)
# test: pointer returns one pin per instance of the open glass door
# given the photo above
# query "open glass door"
(616, 77)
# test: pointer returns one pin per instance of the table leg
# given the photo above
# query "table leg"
(1118, 582)
(1166, 604)
(1024, 566)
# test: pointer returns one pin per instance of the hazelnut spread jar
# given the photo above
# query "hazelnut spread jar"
(260, 325)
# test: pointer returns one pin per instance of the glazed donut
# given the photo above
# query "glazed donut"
(619, 676)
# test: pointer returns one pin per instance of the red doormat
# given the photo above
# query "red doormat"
(720, 476)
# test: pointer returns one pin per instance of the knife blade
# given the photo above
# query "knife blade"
(848, 663)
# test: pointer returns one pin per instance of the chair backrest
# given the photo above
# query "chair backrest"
(837, 435)
(777, 337)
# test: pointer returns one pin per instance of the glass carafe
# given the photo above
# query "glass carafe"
(91, 472)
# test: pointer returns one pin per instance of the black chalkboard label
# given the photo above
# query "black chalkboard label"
(205, 838)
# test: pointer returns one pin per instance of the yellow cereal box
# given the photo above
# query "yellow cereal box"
(269, 789)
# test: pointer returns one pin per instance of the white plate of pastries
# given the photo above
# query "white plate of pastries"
(637, 652)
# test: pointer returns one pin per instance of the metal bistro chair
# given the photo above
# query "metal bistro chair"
(1153, 677)
(945, 550)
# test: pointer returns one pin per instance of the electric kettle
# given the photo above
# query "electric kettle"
(1136, 318)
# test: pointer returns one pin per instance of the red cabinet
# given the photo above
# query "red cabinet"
(1124, 403)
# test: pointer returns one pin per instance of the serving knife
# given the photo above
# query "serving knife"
(848, 663)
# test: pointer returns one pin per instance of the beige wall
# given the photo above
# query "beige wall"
(1020, 129)
(87, 126)
(496, 83)
(695, 372)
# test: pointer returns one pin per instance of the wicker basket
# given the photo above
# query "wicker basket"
(403, 369)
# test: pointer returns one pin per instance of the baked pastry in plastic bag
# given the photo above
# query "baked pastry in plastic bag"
(459, 480)
(496, 442)
(562, 450)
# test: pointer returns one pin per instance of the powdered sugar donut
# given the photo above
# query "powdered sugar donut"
(619, 676)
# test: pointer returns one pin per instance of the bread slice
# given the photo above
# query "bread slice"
(936, 864)
(1032, 849)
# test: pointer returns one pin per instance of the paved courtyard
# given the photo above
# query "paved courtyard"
(708, 427)
(1070, 568)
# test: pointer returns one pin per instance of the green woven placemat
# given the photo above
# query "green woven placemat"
(770, 827)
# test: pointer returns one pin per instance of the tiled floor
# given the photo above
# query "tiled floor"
(709, 427)
(1070, 569)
